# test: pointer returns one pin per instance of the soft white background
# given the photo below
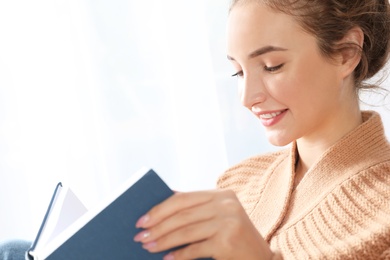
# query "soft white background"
(92, 90)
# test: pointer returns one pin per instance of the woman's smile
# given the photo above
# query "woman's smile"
(270, 118)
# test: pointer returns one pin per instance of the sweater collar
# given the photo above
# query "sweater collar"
(359, 149)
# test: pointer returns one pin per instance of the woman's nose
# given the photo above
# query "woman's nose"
(251, 91)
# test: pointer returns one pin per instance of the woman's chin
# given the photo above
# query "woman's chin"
(278, 140)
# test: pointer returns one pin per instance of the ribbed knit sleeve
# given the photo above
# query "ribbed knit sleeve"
(248, 178)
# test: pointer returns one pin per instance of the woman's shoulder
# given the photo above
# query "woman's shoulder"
(254, 167)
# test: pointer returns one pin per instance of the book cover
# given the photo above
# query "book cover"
(108, 232)
(109, 235)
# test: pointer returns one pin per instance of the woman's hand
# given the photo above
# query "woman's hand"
(212, 223)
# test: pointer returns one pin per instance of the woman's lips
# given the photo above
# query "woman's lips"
(271, 118)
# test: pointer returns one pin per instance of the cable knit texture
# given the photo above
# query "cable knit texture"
(339, 210)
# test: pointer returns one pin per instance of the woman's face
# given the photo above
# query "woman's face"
(283, 79)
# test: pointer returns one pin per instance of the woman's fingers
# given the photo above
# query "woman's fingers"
(188, 216)
(172, 205)
(193, 233)
(207, 224)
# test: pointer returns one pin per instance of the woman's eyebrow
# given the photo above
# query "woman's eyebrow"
(264, 50)
(261, 51)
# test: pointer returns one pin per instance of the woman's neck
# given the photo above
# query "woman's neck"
(310, 148)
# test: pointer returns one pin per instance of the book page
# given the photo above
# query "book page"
(70, 210)
(66, 209)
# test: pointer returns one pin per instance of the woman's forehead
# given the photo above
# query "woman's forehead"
(252, 25)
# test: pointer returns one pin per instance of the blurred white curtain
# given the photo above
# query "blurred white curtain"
(92, 90)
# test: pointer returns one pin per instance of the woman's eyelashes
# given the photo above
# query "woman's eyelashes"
(266, 68)
(238, 74)
(273, 69)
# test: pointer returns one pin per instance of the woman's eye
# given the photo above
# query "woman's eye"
(273, 69)
(238, 74)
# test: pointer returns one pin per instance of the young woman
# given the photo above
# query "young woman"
(300, 66)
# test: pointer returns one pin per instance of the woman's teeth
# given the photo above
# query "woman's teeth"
(270, 115)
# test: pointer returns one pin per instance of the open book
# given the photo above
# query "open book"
(69, 231)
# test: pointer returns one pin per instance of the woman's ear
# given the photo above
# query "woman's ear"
(351, 54)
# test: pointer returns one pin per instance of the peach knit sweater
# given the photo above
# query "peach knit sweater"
(339, 210)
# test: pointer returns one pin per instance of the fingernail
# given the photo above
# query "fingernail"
(149, 245)
(169, 257)
(141, 236)
(142, 221)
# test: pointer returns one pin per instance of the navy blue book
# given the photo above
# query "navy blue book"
(103, 233)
